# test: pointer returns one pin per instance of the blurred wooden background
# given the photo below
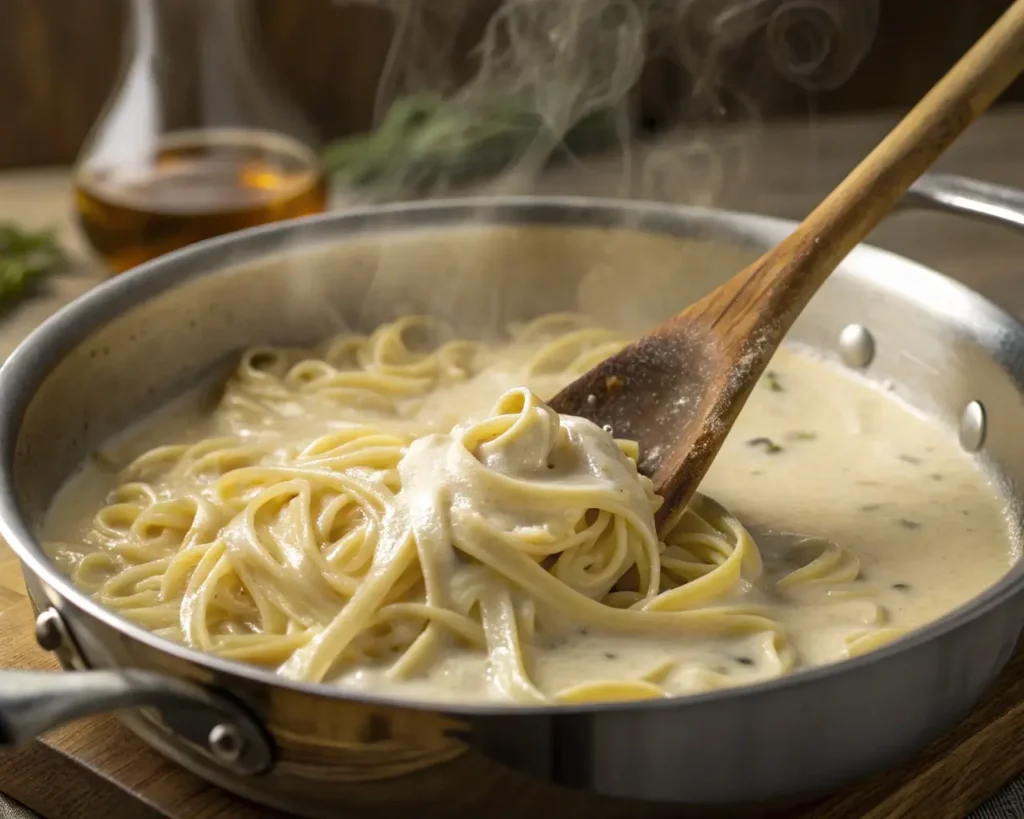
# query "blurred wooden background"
(59, 60)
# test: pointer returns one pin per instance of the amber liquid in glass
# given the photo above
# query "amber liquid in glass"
(194, 186)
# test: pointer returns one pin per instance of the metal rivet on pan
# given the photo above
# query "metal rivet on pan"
(856, 346)
(972, 427)
(49, 630)
(226, 742)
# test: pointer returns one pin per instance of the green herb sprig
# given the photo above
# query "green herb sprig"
(26, 257)
(426, 139)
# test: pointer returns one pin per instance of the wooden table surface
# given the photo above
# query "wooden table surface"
(784, 170)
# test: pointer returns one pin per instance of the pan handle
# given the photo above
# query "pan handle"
(33, 702)
(968, 197)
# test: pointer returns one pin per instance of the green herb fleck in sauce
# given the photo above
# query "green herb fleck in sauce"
(773, 381)
(767, 444)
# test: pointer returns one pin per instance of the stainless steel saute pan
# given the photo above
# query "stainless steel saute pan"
(133, 343)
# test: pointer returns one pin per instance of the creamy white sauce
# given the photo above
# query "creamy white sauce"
(892, 487)
(815, 453)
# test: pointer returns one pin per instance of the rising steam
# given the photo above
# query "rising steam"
(546, 71)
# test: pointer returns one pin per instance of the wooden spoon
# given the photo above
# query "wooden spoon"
(677, 390)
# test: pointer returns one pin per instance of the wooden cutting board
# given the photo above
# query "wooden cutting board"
(97, 769)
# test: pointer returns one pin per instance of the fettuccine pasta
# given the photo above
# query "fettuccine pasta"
(378, 510)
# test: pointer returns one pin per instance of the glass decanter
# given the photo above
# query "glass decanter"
(196, 141)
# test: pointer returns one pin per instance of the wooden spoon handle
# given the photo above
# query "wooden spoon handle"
(785, 278)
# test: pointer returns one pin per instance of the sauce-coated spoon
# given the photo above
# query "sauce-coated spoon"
(677, 390)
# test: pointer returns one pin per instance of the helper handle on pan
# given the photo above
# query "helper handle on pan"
(33, 702)
(969, 197)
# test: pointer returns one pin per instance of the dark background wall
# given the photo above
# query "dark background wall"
(59, 60)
